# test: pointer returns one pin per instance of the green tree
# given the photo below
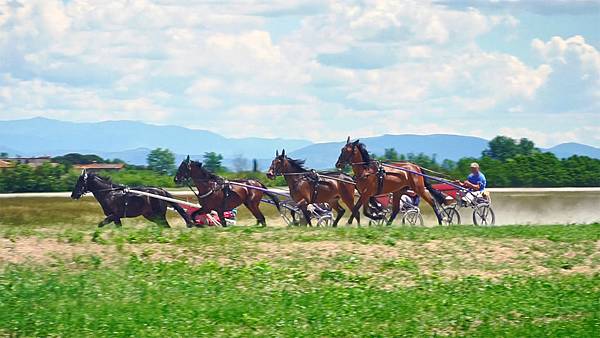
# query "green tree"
(526, 147)
(3, 154)
(503, 148)
(390, 154)
(76, 158)
(161, 161)
(212, 161)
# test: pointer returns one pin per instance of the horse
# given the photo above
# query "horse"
(372, 179)
(215, 193)
(308, 187)
(117, 202)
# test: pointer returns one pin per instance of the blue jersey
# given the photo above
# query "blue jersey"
(478, 179)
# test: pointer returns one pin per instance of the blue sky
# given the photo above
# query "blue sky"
(318, 70)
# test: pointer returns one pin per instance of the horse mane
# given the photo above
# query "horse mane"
(105, 179)
(297, 163)
(363, 152)
(205, 171)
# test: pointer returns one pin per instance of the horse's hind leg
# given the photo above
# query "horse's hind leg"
(260, 218)
(429, 199)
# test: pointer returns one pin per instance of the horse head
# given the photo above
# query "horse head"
(277, 165)
(184, 172)
(81, 187)
(347, 153)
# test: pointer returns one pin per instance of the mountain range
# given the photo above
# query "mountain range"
(131, 141)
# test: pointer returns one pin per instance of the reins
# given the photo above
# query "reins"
(318, 174)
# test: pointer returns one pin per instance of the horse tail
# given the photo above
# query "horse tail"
(178, 208)
(271, 195)
(439, 197)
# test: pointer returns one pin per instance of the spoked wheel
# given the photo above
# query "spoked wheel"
(289, 214)
(379, 222)
(450, 216)
(412, 217)
(483, 215)
(325, 221)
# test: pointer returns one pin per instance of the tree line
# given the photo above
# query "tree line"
(514, 163)
(158, 171)
(506, 163)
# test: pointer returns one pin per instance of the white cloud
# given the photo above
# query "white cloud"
(259, 65)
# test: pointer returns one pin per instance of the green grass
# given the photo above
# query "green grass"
(142, 298)
(72, 279)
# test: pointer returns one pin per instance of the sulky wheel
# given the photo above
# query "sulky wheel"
(289, 214)
(381, 220)
(325, 221)
(450, 216)
(412, 217)
(483, 215)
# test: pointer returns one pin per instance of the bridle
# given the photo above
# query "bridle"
(188, 178)
(348, 159)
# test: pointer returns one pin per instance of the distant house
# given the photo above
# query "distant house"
(6, 164)
(94, 167)
(32, 161)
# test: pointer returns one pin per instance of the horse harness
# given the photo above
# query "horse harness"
(380, 174)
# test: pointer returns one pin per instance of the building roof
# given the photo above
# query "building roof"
(6, 164)
(100, 166)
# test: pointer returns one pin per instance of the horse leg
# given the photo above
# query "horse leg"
(304, 208)
(395, 207)
(356, 208)
(109, 219)
(348, 199)
(117, 221)
(429, 199)
(162, 220)
(339, 210)
(260, 218)
(221, 215)
(157, 219)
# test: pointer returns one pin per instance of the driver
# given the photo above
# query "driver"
(410, 199)
(475, 181)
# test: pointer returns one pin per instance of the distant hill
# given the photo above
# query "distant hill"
(52, 137)
(565, 150)
(453, 147)
(132, 141)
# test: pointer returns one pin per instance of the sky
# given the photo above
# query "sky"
(310, 69)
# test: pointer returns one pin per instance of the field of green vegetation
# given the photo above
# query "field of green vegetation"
(62, 276)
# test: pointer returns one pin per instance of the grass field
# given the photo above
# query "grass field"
(61, 276)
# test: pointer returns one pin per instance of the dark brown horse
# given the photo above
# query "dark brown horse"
(373, 179)
(215, 193)
(117, 202)
(308, 187)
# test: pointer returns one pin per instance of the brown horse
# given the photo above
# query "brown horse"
(215, 193)
(372, 179)
(117, 202)
(308, 187)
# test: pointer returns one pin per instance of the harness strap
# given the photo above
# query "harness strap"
(207, 194)
(380, 179)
